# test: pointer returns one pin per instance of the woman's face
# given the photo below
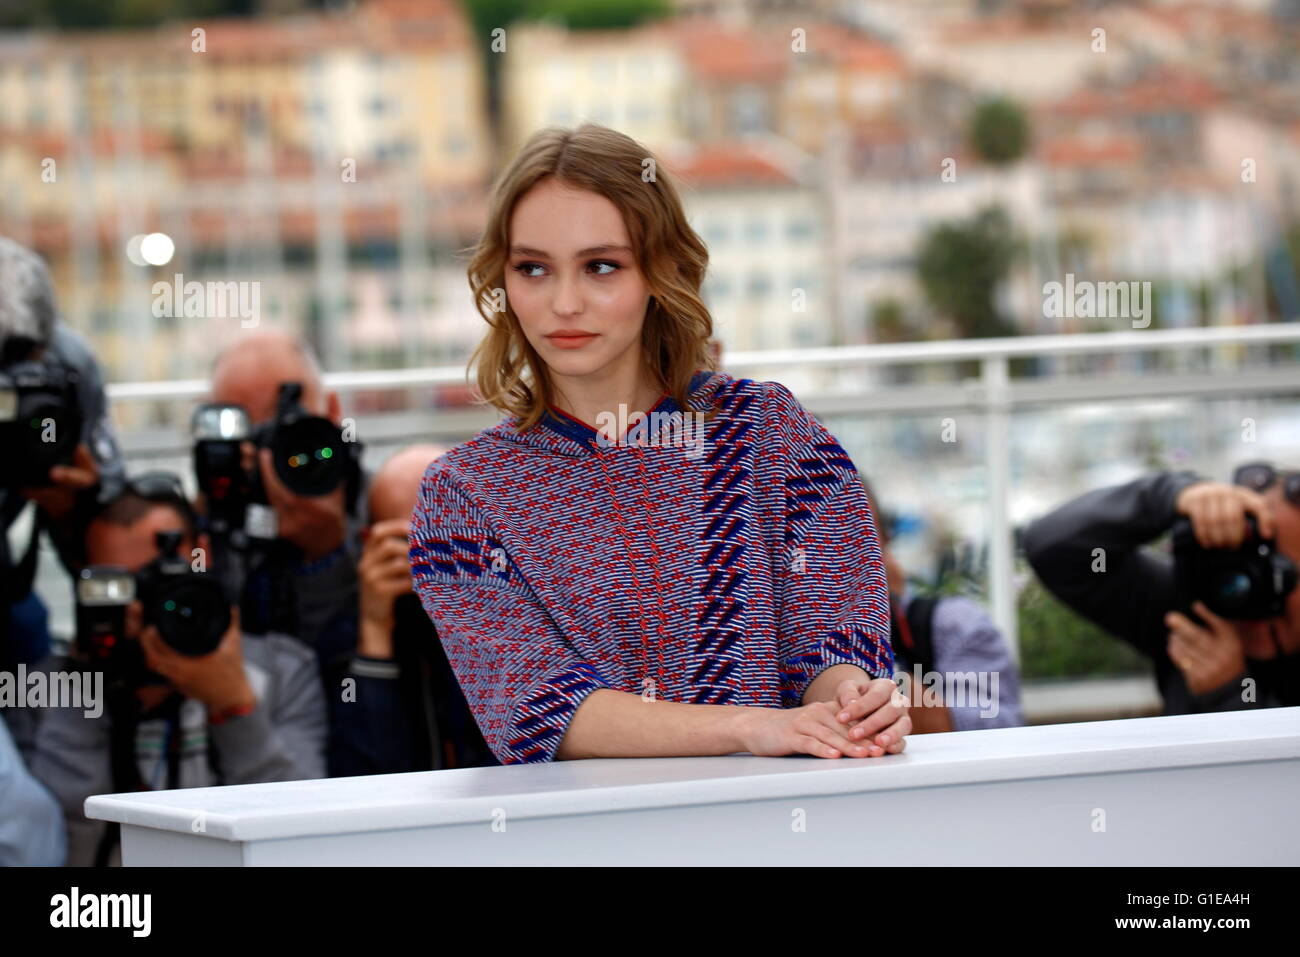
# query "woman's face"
(571, 269)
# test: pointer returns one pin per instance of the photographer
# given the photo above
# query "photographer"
(1089, 554)
(305, 574)
(47, 376)
(407, 712)
(951, 637)
(191, 700)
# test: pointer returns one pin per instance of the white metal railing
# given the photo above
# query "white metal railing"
(994, 394)
(893, 353)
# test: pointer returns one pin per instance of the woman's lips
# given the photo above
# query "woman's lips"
(571, 342)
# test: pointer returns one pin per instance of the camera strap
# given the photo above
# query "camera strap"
(912, 634)
(124, 715)
(354, 481)
(18, 585)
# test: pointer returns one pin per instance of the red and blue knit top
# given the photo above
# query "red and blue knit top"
(554, 563)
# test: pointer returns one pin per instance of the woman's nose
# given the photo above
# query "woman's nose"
(568, 296)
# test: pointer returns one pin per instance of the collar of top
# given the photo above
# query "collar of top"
(562, 423)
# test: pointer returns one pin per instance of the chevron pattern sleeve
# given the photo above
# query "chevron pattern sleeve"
(830, 591)
(522, 678)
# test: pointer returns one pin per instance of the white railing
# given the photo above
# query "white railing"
(994, 394)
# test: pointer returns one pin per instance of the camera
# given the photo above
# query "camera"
(40, 417)
(189, 608)
(102, 594)
(310, 458)
(1248, 583)
(308, 452)
(218, 432)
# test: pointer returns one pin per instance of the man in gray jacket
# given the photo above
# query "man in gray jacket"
(251, 711)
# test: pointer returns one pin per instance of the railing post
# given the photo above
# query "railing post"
(997, 464)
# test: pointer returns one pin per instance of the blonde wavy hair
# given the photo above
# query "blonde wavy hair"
(672, 258)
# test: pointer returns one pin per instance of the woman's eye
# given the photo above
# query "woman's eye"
(523, 268)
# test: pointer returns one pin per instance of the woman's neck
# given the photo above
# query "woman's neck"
(586, 401)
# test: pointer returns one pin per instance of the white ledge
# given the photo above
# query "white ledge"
(259, 812)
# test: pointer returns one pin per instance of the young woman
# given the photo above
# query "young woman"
(645, 558)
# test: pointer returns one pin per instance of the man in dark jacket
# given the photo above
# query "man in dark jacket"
(1089, 553)
(32, 332)
(395, 703)
(320, 534)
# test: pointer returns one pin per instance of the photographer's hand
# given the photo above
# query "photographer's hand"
(1208, 657)
(59, 499)
(384, 573)
(1218, 513)
(316, 524)
(217, 679)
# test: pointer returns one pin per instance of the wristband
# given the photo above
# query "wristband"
(237, 711)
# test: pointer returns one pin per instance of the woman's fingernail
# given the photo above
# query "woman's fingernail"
(884, 740)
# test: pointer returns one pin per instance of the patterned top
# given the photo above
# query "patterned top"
(719, 563)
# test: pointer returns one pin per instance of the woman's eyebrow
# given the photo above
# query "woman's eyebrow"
(589, 251)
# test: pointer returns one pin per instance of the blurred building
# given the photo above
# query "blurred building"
(341, 160)
(335, 159)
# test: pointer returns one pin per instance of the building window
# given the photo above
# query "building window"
(749, 110)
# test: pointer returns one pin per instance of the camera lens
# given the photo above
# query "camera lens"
(192, 615)
(309, 456)
(1232, 589)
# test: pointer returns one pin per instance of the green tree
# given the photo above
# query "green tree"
(602, 14)
(1055, 642)
(961, 265)
(889, 321)
(999, 131)
(113, 14)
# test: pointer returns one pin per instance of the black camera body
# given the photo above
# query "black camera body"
(102, 594)
(1248, 583)
(189, 608)
(219, 432)
(308, 452)
(40, 419)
